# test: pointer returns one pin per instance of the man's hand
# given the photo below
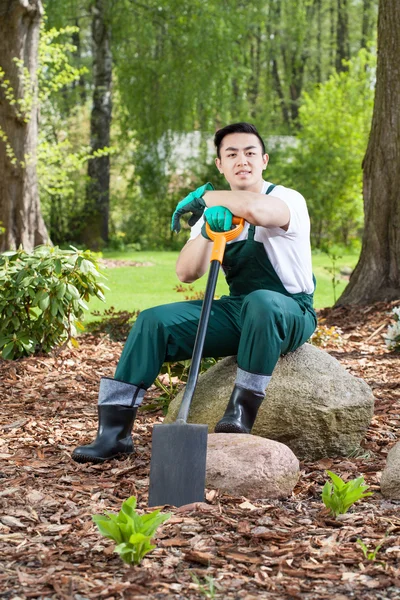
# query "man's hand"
(193, 203)
(219, 219)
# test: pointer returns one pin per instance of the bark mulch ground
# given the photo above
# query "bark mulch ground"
(290, 548)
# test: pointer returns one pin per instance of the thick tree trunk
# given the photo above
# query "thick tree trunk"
(19, 198)
(377, 275)
(98, 191)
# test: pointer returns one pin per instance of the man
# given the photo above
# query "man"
(269, 311)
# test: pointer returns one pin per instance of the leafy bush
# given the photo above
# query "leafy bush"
(131, 532)
(42, 298)
(392, 338)
(338, 496)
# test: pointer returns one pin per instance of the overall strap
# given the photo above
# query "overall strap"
(252, 228)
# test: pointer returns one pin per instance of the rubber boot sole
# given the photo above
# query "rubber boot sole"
(84, 458)
(229, 427)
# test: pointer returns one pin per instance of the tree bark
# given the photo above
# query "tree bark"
(19, 197)
(377, 275)
(342, 36)
(98, 190)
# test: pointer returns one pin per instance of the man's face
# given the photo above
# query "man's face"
(242, 162)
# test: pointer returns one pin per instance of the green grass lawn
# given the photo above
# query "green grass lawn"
(137, 288)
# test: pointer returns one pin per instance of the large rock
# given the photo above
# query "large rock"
(250, 466)
(313, 405)
(390, 479)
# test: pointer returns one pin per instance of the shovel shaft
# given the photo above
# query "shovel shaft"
(217, 254)
(199, 342)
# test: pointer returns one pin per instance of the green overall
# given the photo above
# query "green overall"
(259, 321)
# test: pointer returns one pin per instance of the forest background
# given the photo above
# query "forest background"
(131, 93)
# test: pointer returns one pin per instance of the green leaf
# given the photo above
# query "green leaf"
(87, 267)
(108, 528)
(8, 351)
(57, 266)
(138, 538)
(126, 553)
(337, 481)
(4, 340)
(61, 289)
(73, 291)
(44, 302)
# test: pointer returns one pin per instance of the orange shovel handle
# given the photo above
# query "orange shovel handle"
(220, 238)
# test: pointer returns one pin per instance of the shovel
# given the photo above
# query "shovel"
(179, 450)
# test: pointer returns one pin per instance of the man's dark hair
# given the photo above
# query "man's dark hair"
(236, 128)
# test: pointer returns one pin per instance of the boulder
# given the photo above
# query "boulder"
(313, 405)
(390, 479)
(250, 466)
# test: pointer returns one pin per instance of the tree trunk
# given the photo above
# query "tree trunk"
(377, 275)
(98, 190)
(342, 36)
(332, 34)
(318, 70)
(19, 197)
(76, 40)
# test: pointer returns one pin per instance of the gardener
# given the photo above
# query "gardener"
(269, 311)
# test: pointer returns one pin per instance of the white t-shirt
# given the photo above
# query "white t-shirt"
(288, 251)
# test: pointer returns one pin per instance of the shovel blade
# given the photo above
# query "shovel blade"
(178, 464)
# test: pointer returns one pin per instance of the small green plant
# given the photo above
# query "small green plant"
(333, 270)
(392, 338)
(207, 589)
(338, 496)
(369, 555)
(42, 298)
(130, 531)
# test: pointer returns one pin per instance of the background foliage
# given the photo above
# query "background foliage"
(181, 67)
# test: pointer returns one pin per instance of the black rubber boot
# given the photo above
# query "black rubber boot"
(241, 412)
(113, 435)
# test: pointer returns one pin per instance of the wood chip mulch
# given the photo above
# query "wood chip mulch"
(290, 548)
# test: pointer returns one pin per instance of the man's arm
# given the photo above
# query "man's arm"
(194, 259)
(257, 209)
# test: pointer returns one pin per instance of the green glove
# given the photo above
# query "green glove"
(219, 219)
(192, 203)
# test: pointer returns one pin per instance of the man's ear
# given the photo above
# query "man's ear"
(265, 160)
(218, 164)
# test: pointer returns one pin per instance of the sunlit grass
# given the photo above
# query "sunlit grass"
(137, 288)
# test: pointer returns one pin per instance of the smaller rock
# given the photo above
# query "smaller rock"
(250, 466)
(390, 480)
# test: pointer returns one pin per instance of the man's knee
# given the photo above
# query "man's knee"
(262, 305)
(149, 321)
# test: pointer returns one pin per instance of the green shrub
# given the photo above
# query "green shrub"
(42, 298)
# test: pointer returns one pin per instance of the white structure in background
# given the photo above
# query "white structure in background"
(184, 148)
